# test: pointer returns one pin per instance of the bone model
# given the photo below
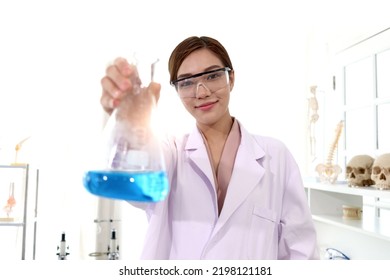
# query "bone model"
(329, 172)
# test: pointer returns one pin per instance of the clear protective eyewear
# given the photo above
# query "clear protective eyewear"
(334, 254)
(213, 80)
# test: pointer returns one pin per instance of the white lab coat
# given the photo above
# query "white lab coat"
(265, 213)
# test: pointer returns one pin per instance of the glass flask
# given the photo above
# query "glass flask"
(130, 165)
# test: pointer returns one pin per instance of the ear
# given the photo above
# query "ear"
(231, 79)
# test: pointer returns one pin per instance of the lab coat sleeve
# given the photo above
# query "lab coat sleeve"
(158, 236)
(297, 239)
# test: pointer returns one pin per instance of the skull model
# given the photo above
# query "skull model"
(381, 172)
(358, 171)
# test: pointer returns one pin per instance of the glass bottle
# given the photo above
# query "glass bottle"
(132, 165)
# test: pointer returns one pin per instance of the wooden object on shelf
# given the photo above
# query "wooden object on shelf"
(352, 212)
(7, 219)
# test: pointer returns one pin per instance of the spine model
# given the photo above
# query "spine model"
(329, 171)
(333, 145)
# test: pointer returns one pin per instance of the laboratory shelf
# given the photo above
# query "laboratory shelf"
(23, 216)
(326, 203)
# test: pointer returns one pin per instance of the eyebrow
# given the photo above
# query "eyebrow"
(212, 67)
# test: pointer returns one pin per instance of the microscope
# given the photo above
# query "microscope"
(62, 254)
(113, 248)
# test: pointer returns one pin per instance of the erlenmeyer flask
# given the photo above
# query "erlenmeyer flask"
(132, 166)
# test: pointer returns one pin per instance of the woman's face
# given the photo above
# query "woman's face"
(208, 108)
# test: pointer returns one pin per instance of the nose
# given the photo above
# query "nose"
(202, 91)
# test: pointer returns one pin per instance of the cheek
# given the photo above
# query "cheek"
(224, 98)
(188, 104)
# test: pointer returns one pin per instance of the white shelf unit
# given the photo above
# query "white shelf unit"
(367, 238)
(360, 96)
(26, 182)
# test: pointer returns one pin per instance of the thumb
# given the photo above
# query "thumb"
(155, 88)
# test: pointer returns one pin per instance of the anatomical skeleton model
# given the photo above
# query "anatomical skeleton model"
(328, 171)
(11, 202)
(313, 118)
(17, 150)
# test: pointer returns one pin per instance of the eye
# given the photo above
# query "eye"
(213, 76)
(185, 83)
(349, 169)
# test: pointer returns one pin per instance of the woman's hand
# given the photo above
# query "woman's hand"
(120, 80)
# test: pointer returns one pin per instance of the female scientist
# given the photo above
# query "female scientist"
(233, 195)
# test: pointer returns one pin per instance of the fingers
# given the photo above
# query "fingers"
(110, 93)
(116, 83)
(121, 79)
(108, 102)
(122, 65)
(121, 73)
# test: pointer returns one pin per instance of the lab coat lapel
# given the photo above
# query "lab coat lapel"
(246, 175)
(197, 153)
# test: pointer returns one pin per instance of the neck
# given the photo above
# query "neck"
(218, 129)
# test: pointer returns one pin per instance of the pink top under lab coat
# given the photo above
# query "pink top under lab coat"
(265, 213)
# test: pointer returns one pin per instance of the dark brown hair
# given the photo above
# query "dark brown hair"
(191, 44)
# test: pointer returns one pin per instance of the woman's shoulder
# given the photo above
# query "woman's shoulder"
(273, 147)
(264, 141)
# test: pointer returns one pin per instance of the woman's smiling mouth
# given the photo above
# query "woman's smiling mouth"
(206, 106)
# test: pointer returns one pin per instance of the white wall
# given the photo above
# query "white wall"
(53, 54)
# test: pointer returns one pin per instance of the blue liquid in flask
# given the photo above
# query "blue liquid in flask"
(137, 186)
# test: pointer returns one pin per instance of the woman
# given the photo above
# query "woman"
(233, 195)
